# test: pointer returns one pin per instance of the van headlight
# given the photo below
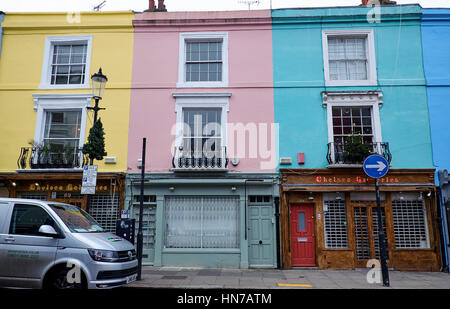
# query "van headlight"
(103, 255)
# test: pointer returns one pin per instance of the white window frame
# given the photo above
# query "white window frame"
(60, 102)
(201, 100)
(50, 42)
(371, 99)
(203, 36)
(371, 56)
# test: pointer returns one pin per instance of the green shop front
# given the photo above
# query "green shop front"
(221, 221)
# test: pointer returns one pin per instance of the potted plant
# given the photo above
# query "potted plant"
(356, 150)
(68, 154)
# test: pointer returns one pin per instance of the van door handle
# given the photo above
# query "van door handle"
(10, 239)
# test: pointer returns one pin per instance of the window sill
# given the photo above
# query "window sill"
(52, 87)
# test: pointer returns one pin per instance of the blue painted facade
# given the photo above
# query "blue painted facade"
(312, 100)
(436, 46)
(299, 82)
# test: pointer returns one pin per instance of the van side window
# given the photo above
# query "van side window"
(27, 219)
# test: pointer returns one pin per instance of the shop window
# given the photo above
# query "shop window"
(410, 221)
(335, 221)
(202, 222)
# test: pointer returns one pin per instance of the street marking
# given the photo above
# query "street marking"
(295, 285)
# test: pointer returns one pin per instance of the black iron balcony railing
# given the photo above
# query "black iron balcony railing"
(190, 161)
(340, 153)
(40, 158)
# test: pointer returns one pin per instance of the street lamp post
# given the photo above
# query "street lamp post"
(98, 88)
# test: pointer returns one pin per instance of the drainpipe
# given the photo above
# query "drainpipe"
(277, 226)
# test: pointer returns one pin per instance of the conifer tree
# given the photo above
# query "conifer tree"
(95, 146)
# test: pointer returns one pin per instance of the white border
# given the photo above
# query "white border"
(370, 50)
(204, 36)
(60, 102)
(50, 41)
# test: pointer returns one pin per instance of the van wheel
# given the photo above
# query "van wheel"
(58, 280)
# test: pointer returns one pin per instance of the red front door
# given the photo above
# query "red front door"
(302, 235)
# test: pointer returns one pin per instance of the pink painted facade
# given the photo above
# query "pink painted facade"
(250, 85)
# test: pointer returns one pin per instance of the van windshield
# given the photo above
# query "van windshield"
(76, 219)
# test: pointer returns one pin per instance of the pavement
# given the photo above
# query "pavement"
(302, 278)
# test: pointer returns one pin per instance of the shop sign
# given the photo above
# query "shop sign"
(353, 180)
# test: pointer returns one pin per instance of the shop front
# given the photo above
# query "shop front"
(104, 205)
(206, 220)
(329, 219)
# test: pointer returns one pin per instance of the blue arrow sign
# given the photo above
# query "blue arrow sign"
(376, 166)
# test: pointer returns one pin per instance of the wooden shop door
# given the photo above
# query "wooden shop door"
(366, 233)
(303, 249)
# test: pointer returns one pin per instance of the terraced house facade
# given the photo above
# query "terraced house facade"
(256, 125)
(45, 89)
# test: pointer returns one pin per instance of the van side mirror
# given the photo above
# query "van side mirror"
(48, 230)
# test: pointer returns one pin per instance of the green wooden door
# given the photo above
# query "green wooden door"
(148, 231)
(260, 236)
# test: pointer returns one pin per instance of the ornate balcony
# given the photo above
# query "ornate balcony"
(42, 158)
(189, 161)
(341, 155)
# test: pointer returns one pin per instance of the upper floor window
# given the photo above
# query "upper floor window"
(66, 62)
(354, 127)
(200, 142)
(203, 60)
(349, 58)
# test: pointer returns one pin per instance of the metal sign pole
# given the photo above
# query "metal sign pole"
(141, 207)
(382, 239)
(376, 166)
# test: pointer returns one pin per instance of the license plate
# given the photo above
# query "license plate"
(131, 278)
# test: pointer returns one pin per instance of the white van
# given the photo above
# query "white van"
(53, 245)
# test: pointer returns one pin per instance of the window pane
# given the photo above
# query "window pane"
(73, 58)
(301, 222)
(202, 222)
(347, 58)
(27, 219)
(207, 56)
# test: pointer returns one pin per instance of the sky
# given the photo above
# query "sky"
(184, 5)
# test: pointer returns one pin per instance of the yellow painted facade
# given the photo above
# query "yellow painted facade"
(21, 66)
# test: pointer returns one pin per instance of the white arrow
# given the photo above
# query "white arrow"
(380, 166)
